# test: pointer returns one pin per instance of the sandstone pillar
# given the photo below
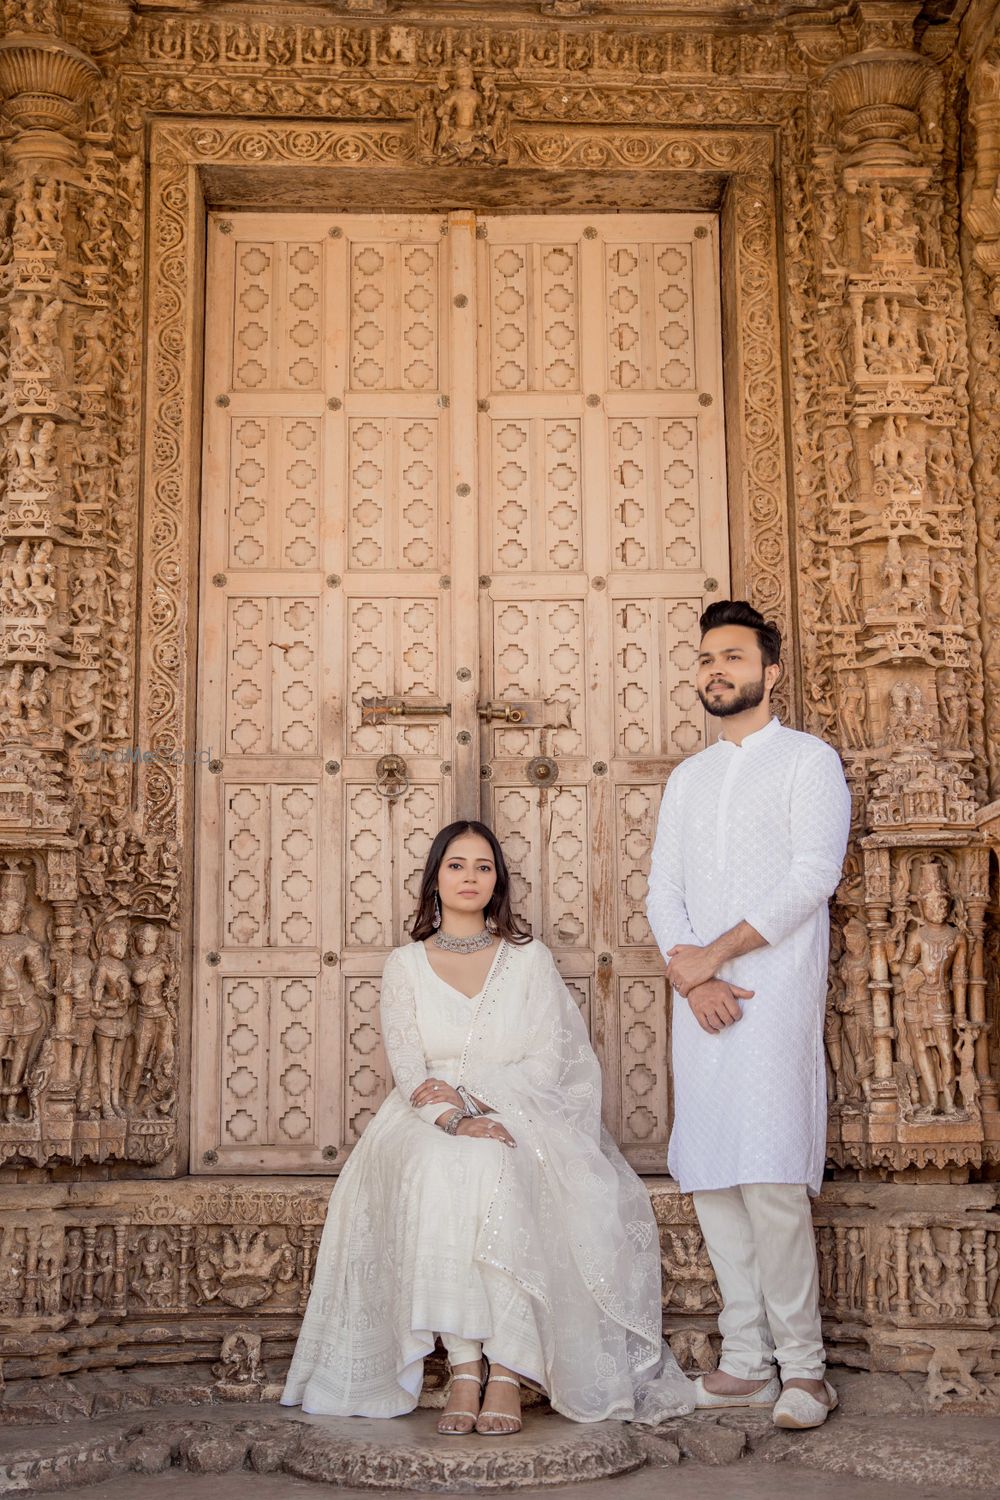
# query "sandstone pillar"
(67, 575)
(907, 1031)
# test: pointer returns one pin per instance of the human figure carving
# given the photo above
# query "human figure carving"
(855, 1268)
(240, 1359)
(926, 1272)
(965, 1052)
(932, 975)
(856, 1006)
(15, 580)
(24, 992)
(953, 1296)
(72, 1270)
(12, 701)
(953, 701)
(464, 122)
(852, 700)
(79, 984)
(40, 593)
(43, 454)
(83, 720)
(845, 576)
(36, 704)
(154, 1022)
(88, 582)
(945, 577)
(112, 995)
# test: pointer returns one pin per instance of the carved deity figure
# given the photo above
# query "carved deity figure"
(953, 702)
(240, 1359)
(112, 996)
(87, 585)
(932, 972)
(31, 15)
(911, 720)
(154, 1022)
(926, 1272)
(845, 576)
(24, 992)
(152, 1277)
(83, 719)
(965, 1053)
(891, 573)
(12, 702)
(43, 455)
(40, 593)
(463, 121)
(852, 702)
(15, 579)
(79, 985)
(72, 1270)
(855, 1268)
(953, 1296)
(855, 1006)
(38, 216)
(36, 703)
(20, 448)
(944, 575)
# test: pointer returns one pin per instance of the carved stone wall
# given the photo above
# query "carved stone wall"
(864, 475)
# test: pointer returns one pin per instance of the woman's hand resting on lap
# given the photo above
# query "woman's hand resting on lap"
(436, 1091)
(484, 1129)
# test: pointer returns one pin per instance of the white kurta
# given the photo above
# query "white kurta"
(754, 832)
(548, 1253)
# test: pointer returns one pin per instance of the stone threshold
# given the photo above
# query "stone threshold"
(882, 1431)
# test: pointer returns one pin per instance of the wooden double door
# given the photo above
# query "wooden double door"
(463, 502)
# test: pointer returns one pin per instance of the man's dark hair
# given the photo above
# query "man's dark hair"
(739, 612)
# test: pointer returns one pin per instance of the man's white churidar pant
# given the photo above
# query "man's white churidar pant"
(759, 1238)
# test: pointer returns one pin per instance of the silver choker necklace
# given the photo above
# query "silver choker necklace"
(474, 944)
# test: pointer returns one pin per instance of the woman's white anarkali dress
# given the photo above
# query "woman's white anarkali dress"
(548, 1253)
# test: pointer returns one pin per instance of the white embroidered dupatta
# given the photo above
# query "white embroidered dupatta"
(570, 1222)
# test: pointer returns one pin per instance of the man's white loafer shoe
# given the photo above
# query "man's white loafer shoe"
(797, 1409)
(766, 1396)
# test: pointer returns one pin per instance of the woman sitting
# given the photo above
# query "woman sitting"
(485, 1202)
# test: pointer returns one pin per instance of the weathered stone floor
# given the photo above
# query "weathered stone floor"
(751, 1481)
(883, 1444)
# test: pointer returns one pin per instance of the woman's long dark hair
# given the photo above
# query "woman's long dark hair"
(498, 912)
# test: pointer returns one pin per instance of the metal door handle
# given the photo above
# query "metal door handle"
(507, 713)
(381, 710)
(535, 713)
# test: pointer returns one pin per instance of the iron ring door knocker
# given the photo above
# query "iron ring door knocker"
(391, 779)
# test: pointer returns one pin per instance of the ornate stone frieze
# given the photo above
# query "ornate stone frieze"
(77, 1275)
(396, 50)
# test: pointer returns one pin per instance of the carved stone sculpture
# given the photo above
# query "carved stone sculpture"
(24, 994)
(112, 997)
(932, 976)
(465, 119)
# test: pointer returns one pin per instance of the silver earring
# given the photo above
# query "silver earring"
(437, 910)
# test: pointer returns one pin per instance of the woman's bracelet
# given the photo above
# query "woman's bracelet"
(471, 1107)
(450, 1126)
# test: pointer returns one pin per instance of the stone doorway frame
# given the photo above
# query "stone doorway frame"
(197, 166)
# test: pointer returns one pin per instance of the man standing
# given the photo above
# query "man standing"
(749, 848)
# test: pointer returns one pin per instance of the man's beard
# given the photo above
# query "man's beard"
(749, 696)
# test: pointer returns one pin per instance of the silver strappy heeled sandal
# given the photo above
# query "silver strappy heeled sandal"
(463, 1416)
(503, 1416)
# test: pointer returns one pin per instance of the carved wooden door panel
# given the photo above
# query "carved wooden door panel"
(403, 416)
(603, 520)
(326, 573)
